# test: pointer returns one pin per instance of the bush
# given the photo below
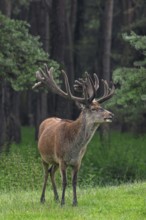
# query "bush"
(21, 167)
(122, 161)
(129, 99)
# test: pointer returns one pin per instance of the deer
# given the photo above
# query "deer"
(62, 142)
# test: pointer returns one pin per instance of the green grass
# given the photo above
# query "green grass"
(108, 203)
(122, 161)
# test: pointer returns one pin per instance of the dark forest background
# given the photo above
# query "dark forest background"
(106, 37)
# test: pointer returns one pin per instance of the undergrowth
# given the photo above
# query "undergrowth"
(122, 160)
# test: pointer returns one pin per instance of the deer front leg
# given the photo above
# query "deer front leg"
(74, 185)
(45, 166)
(64, 181)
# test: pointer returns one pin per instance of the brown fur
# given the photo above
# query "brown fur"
(63, 143)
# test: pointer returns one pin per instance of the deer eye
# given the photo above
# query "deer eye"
(100, 109)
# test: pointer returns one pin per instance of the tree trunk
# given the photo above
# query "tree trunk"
(58, 31)
(69, 55)
(128, 12)
(72, 17)
(106, 58)
(6, 7)
(59, 35)
(127, 19)
(39, 20)
(107, 35)
(78, 34)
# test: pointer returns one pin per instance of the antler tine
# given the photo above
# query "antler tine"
(50, 82)
(46, 68)
(67, 84)
(36, 85)
(40, 78)
(78, 86)
(83, 99)
(90, 87)
(107, 93)
(55, 88)
(85, 93)
(87, 86)
(106, 88)
(96, 85)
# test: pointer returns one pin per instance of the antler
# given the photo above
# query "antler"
(45, 77)
(108, 92)
(86, 86)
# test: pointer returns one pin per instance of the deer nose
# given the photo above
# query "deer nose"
(111, 115)
(108, 116)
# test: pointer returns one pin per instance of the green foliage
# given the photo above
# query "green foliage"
(137, 41)
(21, 54)
(21, 179)
(124, 161)
(131, 84)
(21, 167)
(18, 4)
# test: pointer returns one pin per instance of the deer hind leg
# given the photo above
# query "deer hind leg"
(52, 171)
(64, 181)
(45, 167)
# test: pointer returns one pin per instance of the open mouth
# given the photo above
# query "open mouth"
(108, 119)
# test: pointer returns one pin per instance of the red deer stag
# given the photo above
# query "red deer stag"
(63, 143)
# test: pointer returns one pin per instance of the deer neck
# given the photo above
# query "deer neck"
(86, 129)
(82, 130)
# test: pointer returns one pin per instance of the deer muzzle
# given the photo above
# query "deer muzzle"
(108, 117)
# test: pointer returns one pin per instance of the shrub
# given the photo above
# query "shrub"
(123, 160)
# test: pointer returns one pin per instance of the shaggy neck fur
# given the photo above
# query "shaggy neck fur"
(85, 130)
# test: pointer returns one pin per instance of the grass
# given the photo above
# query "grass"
(122, 161)
(113, 203)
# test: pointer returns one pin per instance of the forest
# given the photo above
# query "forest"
(103, 37)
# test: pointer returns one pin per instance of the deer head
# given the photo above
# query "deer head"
(87, 87)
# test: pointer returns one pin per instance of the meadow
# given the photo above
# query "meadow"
(105, 203)
(111, 181)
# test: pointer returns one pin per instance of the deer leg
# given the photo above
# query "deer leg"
(74, 185)
(64, 182)
(52, 171)
(45, 167)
